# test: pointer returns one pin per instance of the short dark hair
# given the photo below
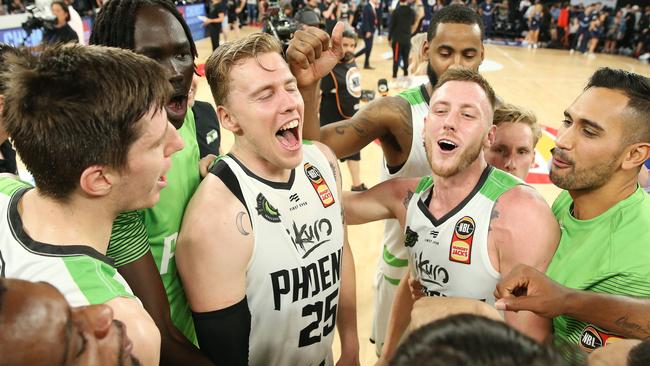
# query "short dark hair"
(5, 49)
(467, 339)
(115, 23)
(349, 33)
(467, 74)
(639, 355)
(459, 14)
(64, 7)
(72, 107)
(637, 88)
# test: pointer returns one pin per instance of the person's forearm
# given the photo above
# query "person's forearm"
(177, 350)
(400, 317)
(311, 125)
(623, 315)
(347, 318)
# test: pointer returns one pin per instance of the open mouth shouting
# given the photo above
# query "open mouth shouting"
(447, 145)
(288, 135)
(177, 107)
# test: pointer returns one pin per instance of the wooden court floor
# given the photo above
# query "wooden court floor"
(544, 81)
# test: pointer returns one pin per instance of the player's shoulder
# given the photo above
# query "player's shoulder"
(523, 203)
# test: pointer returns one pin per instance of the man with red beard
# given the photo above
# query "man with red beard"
(463, 232)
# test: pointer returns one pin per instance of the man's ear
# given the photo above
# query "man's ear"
(425, 51)
(227, 121)
(97, 180)
(489, 138)
(635, 155)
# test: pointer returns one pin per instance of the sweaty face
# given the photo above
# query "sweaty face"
(149, 159)
(40, 328)
(454, 44)
(588, 148)
(266, 107)
(457, 126)
(513, 150)
(160, 36)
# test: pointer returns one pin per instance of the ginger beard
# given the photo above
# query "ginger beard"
(463, 158)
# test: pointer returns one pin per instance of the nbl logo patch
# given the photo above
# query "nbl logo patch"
(265, 209)
(592, 338)
(460, 250)
(320, 186)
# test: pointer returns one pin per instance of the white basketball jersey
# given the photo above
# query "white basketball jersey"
(449, 255)
(394, 264)
(82, 274)
(294, 275)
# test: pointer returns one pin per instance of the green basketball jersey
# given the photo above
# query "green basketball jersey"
(82, 274)
(157, 228)
(607, 254)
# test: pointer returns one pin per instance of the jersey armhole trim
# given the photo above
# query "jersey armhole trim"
(221, 170)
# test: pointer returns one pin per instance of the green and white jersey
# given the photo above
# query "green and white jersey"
(293, 277)
(395, 259)
(156, 229)
(607, 254)
(449, 255)
(82, 274)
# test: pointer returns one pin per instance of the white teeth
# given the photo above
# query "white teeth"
(289, 125)
(447, 142)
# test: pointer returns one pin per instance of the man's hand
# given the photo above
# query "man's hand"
(526, 288)
(416, 288)
(204, 164)
(348, 359)
(310, 55)
(429, 309)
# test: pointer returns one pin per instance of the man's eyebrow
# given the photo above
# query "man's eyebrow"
(593, 124)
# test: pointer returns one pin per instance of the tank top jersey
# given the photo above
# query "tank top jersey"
(82, 274)
(449, 256)
(394, 263)
(156, 228)
(294, 274)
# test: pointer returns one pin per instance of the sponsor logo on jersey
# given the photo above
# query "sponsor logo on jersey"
(592, 338)
(410, 237)
(306, 238)
(460, 250)
(434, 233)
(320, 186)
(265, 209)
(429, 273)
(211, 136)
(294, 197)
(353, 82)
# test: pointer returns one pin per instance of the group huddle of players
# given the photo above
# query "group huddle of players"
(154, 254)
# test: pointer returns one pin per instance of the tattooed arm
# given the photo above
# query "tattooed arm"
(215, 222)
(387, 200)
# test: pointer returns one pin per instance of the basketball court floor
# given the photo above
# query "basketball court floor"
(544, 81)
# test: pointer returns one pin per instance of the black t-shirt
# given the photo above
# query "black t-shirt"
(207, 128)
(64, 34)
(401, 23)
(340, 95)
(213, 13)
(8, 162)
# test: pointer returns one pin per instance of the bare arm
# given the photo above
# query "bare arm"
(144, 279)
(386, 200)
(524, 230)
(140, 328)
(400, 317)
(347, 308)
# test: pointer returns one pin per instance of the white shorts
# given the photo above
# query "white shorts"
(384, 295)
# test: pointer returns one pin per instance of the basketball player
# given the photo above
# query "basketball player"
(143, 243)
(515, 138)
(105, 108)
(465, 230)
(38, 327)
(596, 287)
(454, 38)
(263, 252)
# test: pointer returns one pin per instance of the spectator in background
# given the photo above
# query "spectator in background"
(214, 22)
(563, 25)
(75, 22)
(402, 21)
(486, 9)
(534, 22)
(369, 22)
(62, 32)
(7, 153)
(418, 60)
(643, 37)
(251, 9)
(595, 31)
(613, 31)
(16, 7)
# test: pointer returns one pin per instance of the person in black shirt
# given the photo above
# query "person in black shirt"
(341, 92)
(213, 22)
(7, 153)
(399, 34)
(61, 32)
